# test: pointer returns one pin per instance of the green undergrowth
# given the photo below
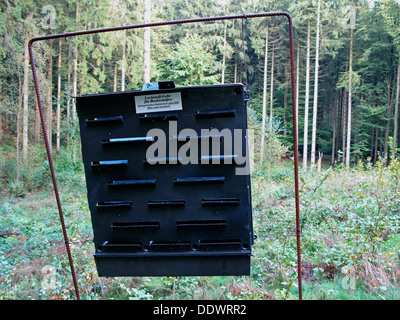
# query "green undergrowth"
(350, 240)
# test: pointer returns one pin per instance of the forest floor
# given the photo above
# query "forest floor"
(350, 223)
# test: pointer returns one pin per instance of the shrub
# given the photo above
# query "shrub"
(39, 177)
(17, 189)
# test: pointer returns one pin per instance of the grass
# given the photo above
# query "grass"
(350, 241)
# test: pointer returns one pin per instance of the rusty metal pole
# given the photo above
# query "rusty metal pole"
(53, 177)
(296, 157)
(157, 24)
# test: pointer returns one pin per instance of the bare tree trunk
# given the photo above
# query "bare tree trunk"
(146, 38)
(235, 77)
(307, 100)
(58, 140)
(68, 120)
(17, 156)
(17, 143)
(344, 119)
(333, 145)
(6, 127)
(376, 145)
(123, 62)
(264, 110)
(75, 90)
(272, 90)
(388, 116)
(3, 125)
(356, 131)
(350, 97)
(335, 113)
(396, 109)
(224, 56)
(25, 111)
(371, 154)
(1, 128)
(315, 107)
(319, 162)
(115, 77)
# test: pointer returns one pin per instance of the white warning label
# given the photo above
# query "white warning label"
(158, 102)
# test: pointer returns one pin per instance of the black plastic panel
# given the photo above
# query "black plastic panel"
(159, 216)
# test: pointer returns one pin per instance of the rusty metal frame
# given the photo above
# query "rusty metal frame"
(157, 24)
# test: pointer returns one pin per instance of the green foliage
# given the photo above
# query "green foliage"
(350, 226)
(7, 170)
(274, 148)
(193, 54)
(348, 218)
(345, 79)
(17, 188)
(390, 10)
(190, 64)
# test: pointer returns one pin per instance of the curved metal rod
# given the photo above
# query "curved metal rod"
(157, 24)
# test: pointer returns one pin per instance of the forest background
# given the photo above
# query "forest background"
(347, 66)
(347, 84)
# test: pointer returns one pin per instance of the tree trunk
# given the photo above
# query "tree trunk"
(272, 90)
(264, 111)
(350, 97)
(307, 100)
(371, 154)
(344, 119)
(335, 116)
(146, 39)
(68, 106)
(297, 89)
(123, 62)
(224, 56)
(235, 76)
(315, 107)
(17, 156)
(388, 116)
(1, 128)
(376, 145)
(285, 102)
(58, 140)
(396, 110)
(356, 130)
(115, 77)
(319, 163)
(25, 111)
(75, 90)
(6, 125)
(333, 145)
